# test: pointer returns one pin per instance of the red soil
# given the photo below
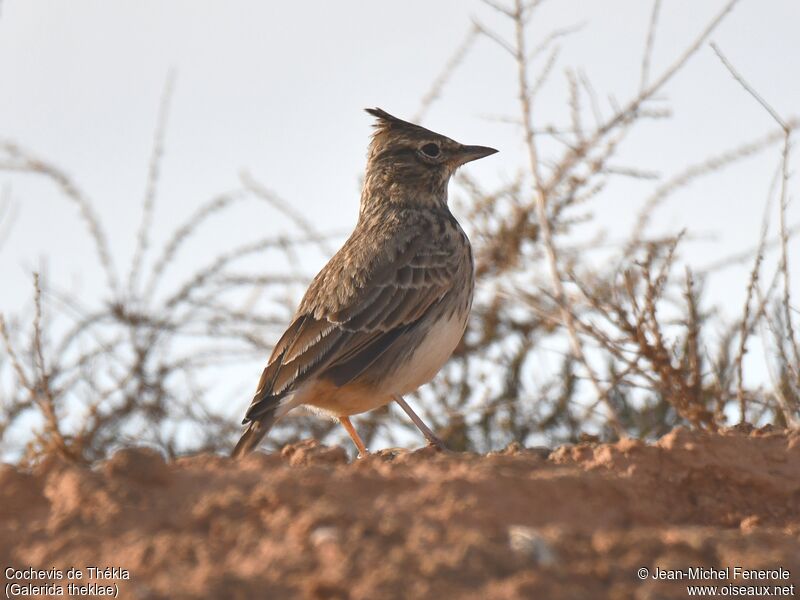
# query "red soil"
(577, 523)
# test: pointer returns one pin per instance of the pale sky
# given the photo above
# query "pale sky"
(278, 88)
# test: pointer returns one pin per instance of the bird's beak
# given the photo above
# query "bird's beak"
(467, 154)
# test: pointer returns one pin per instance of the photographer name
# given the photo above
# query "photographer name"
(724, 574)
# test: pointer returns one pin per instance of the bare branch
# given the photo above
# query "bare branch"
(261, 191)
(496, 38)
(648, 47)
(787, 128)
(541, 211)
(148, 204)
(23, 161)
(750, 90)
(444, 76)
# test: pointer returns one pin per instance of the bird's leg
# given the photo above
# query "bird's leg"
(432, 438)
(362, 449)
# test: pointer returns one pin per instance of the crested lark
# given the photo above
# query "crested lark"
(389, 308)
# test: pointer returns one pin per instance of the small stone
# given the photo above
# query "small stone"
(310, 452)
(531, 543)
(324, 535)
(750, 523)
(144, 465)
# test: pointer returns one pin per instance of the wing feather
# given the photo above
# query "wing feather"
(355, 309)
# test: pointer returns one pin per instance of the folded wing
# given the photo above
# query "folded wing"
(354, 310)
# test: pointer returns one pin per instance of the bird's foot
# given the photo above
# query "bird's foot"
(437, 443)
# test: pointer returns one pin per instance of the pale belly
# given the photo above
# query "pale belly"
(428, 358)
(412, 372)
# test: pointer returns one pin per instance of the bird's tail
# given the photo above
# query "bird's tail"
(254, 433)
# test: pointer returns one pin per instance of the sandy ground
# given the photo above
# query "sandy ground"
(577, 522)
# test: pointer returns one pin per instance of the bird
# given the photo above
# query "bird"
(389, 308)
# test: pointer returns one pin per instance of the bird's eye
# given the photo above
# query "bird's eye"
(431, 150)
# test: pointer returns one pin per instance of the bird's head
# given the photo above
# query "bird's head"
(409, 163)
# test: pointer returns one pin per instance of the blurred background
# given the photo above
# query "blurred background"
(176, 172)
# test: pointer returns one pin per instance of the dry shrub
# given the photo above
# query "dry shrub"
(638, 345)
(129, 366)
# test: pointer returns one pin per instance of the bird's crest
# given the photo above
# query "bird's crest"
(387, 123)
(385, 119)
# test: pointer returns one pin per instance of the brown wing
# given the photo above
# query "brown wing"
(359, 304)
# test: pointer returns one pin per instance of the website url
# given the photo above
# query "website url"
(751, 591)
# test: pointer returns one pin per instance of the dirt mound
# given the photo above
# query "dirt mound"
(578, 522)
